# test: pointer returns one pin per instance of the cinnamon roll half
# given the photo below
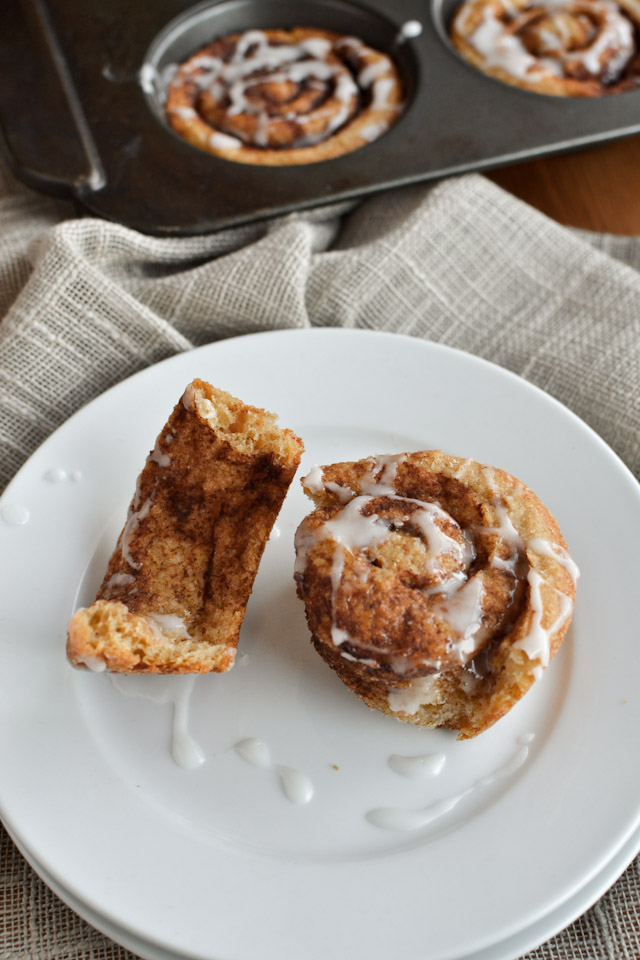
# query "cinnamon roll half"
(437, 588)
(283, 97)
(573, 48)
(177, 585)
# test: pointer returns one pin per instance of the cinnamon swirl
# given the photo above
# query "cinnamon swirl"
(573, 48)
(177, 585)
(283, 97)
(437, 588)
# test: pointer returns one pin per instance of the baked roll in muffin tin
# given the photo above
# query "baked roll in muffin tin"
(84, 83)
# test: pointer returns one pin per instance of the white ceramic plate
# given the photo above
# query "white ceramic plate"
(512, 948)
(216, 861)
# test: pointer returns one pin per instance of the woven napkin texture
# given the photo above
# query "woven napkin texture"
(87, 303)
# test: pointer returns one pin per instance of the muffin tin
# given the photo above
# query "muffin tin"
(81, 114)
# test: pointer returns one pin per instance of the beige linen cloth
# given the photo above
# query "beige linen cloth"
(87, 303)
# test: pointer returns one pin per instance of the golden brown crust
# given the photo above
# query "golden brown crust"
(437, 588)
(582, 48)
(176, 588)
(281, 120)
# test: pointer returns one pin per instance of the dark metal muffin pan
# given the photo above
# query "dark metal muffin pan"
(76, 119)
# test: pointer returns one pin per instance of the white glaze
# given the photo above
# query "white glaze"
(94, 664)
(404, 820)
(119, 580)
(537, 643)
(254, 751)
(555, 552)
(159, 456)
(185, 752)
(506, 51)
(55, 475)
(421, 692)
(420, 767)
(15, 515)
(130, 527)
(168, 623)
(223, 141)
(296, 786)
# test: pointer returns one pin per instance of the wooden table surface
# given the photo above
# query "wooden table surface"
(596, 189)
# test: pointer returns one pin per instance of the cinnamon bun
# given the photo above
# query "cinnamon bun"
(177, 585)
(437, 588)
(573, 48)
(283, 97)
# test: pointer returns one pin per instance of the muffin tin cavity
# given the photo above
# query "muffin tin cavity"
(190, 31)
(345, 75)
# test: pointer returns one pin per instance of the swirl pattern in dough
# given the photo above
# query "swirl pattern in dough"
(284, 97)
(437, 588)
(574, 48)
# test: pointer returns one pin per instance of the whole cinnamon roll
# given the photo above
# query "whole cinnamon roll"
(437, 588)
(574, 48)
(283, 97)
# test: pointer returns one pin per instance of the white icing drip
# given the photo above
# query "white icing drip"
(380, 92)
(316, 47)
(421, 692)
(133, 520)
(96, 664)
(189, 398)
(379, 480)
(159, 456)
(168, 624)
(351, 528)
(186, 113)
(373, 130)
(55, 475)
(15, 515)
(439, 542)
(537, 643)
(185, 752)
(463, 611)
(315, 483)
(555, 552)
(297, 786)
(314, 480)
(222, 141)
(404, 820)
(420, 767)
(365, 661)
(338, 635)
(119, 580)
(255, 752)
(369, 73)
